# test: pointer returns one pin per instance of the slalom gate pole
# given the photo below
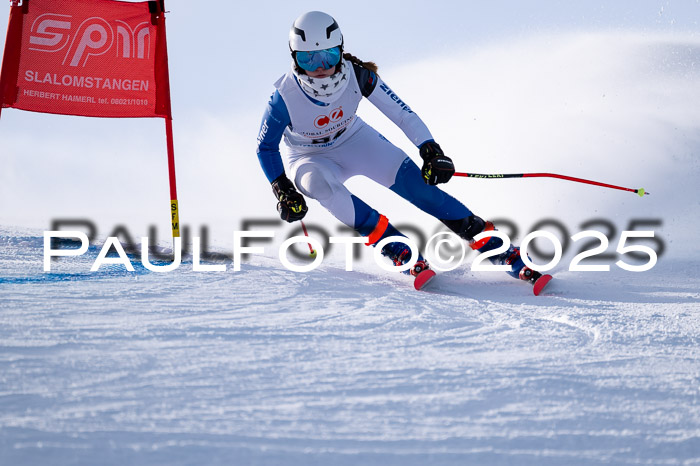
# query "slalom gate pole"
(312, 252)
(640, 192)
(163, 103)
(174, 211)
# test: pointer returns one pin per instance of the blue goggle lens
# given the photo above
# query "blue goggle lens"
(311, 61)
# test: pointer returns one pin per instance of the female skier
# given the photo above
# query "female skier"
(314, 108)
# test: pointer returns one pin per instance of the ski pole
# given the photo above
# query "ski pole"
(312, 251)
(640, 192)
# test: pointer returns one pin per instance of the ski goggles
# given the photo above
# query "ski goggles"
(315, 59)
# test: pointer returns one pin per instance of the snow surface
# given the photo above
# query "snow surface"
(267, 366)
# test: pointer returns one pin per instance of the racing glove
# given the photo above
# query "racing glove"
(437, 167)
(291, 204)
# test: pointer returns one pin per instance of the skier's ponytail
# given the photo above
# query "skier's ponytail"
(370, 65)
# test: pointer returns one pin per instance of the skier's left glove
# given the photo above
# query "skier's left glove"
(437, 167)
(291, 205)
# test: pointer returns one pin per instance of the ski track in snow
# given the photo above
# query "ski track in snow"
(268, 366)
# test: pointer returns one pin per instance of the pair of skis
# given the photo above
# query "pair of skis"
(538, 280)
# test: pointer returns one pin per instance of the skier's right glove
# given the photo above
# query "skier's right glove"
(291, 204)
(437, 167)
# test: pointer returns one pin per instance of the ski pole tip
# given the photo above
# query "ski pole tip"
(641, 192)
(312, 254)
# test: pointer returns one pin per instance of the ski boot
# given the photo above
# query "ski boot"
(471, 226)
(519, 270)
(399, 254)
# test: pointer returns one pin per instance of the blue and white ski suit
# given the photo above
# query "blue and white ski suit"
(329, 143)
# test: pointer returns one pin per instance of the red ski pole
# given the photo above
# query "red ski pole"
(312, 251)
(640, 192)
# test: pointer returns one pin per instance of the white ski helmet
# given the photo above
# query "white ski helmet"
(314, 30)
